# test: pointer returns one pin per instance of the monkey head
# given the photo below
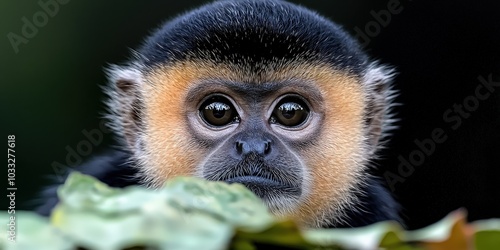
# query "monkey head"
(262, 93)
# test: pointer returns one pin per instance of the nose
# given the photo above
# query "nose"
(260, 146)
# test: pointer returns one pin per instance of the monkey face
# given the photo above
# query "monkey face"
(254, 131)
(294, 134)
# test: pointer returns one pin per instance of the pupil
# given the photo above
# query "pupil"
(288, 114)
(218, 113)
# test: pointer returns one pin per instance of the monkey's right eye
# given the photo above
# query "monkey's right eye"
(218, 111)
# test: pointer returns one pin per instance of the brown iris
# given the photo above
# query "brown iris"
(290, 112)
(218, 111)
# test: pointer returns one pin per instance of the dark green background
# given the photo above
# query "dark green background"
(50, 89)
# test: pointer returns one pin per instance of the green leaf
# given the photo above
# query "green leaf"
(283, 234)
(33, 232)
(369, 237)
(487, 234)
(188, 213)
(451, 232)
(232, 203)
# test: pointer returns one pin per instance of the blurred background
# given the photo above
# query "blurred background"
(51, 67)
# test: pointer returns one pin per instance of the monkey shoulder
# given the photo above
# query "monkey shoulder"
(112, 167)
(374, 204)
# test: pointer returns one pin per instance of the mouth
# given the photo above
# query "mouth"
(265, 187)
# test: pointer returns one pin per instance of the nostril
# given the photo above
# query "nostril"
(267, 147)
(239, 147)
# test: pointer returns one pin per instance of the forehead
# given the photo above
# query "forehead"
(266, 76)
(179, 82)
(252, 33)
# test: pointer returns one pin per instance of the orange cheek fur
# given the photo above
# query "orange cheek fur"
(169, 149)
(334, 162)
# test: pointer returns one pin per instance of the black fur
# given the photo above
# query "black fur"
(375, 204)
(252, 32)
(115, 169)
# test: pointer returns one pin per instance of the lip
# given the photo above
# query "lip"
(257, 180)
(261, 185)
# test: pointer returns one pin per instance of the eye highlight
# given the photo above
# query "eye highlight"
(218, 111)
(290, 112)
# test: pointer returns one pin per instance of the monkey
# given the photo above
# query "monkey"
(264, 93)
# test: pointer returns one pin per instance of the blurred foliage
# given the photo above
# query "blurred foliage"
(190, 213)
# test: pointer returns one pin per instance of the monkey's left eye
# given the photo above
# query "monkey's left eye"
(218, 111)
(290, 112)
